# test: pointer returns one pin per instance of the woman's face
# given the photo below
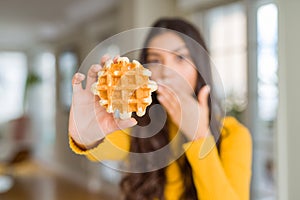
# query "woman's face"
(171, 55)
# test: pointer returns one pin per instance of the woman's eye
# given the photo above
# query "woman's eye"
(153, 61)
(180, 57)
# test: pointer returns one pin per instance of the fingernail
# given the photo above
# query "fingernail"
(160, 88)
(116, 58)
(80, 76)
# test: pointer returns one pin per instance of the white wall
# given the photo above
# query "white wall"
(288, 137)
(142, 13)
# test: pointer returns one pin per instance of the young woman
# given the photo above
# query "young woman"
(216, 163)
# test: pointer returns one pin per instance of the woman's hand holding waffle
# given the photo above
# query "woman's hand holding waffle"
(89, 122)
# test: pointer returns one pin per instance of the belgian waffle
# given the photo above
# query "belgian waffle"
(124, 87)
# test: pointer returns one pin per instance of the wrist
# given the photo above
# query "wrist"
(86, 145)
(202, 134)
(89, 146)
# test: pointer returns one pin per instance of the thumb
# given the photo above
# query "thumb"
(127, 123)
(203, 95)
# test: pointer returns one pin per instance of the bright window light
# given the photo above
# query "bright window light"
(13, 66)
(267, 37)
(228, 48)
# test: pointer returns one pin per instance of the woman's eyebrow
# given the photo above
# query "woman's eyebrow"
(153, 54)
(179, 48)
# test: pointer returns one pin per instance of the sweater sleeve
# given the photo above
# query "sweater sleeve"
(224, 176)
(114, 147)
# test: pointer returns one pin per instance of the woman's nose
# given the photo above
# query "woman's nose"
(167, 67)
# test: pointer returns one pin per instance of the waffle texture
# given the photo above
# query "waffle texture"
(124, 87)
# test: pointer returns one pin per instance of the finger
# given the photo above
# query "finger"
(163, 87)
(170, 108)
(116, 58)
(92, 75)
(169, 92)
(127, 123)
(164, 102)
(169, 101)
(203, 95)
(179, 84)
(104, 58)
(77, 82)
(164, 82)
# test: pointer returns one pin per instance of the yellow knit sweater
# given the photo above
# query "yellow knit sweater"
(224, 176)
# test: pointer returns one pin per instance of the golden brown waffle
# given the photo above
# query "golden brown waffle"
(124, 87)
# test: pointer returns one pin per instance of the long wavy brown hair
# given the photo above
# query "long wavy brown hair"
(150, 185)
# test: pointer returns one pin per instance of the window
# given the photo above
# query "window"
(45, 69)
(227, 41)
(13, 66)
(42, 103)
(264, 185)
(68, 64)
(267, 61)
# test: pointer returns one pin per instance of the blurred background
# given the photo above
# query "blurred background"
(253, 43)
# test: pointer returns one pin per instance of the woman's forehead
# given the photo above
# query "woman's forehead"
(167, 41)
